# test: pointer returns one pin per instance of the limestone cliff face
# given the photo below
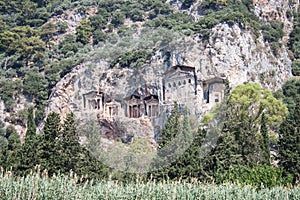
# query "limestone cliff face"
(94, 90)
(270, 11)
(230, 53)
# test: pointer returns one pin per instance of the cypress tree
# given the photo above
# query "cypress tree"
(289, 144)
(3, 144)
(168, 146)
(31, 127)
(171, 129)
(51, 144)
(30, 151)
(265, 141)
(13, 155)
(70, 143)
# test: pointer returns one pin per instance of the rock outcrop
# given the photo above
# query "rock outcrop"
(230, 53)
(141, 98)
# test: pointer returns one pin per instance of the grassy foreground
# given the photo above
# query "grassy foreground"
(39, 186)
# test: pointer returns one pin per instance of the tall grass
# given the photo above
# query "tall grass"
(40, 186)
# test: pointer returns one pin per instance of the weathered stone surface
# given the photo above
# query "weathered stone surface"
(230, 53)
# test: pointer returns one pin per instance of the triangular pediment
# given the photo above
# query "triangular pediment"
(177, 74)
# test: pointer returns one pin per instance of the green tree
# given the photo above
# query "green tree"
(289, 145)
(290, 91)
(72, 150)
(265, 140)
(3, 144)
(47, 31)
(13, 154)
(238, 137)
(50, 144)
(167, 149)
(30, 150)
(225, 155)
(118, 19)
(34, 84)
(177, 148)
(84, 31)
(171, 129)
(31, 127)
(296, 68)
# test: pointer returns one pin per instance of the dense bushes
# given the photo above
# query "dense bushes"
(260, 176)
(132, 59)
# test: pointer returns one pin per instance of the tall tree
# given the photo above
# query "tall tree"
(31, 127)
(289, 144)
(51, 144)
(168, 146)
(3, 144)
(30, 151)
(13, 155)
(239, 117)
(72, 150)
(265, 140)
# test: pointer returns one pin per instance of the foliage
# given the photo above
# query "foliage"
(30, 149)
(132, 59)
(40, 186)
(234, 127)
(84, 31)
(31, 127)
(265, 140)
(27, 38)
(9, 89)
(31, 64)
(250, 100)
(50, 146)
(260, 176)
(289, 147)
(290, 92)
(296, 68)
(175, 140)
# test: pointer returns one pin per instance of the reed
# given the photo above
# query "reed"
(38, 185)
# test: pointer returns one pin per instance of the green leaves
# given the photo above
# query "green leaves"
(84, 31)
(289, 148)
(250, 100)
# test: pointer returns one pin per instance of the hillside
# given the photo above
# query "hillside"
(128, 65)
(242, 41)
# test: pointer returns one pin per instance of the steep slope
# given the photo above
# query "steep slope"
(115, 53)
(230, 53)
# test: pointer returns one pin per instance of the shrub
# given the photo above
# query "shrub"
(296, 68)
(260, 176)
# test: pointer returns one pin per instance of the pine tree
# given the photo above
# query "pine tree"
(181, 166)
(225, 155)
(74, 156)
(265, 141)
(190, 164)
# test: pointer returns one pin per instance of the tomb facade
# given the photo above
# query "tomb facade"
(179, 84)
(135, 106)
(213, 91)
(155, 101)
(152, 106)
